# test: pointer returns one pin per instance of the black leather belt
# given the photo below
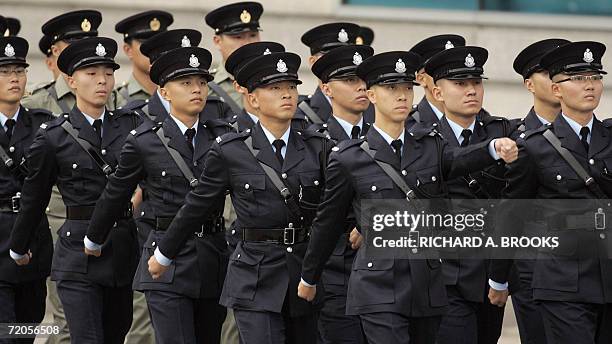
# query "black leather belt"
(212, 226)
(10, 204)
(86, 211)
(283, 236)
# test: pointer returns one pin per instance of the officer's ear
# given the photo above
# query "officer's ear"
(313, 58)
(371, 93)
(253, 100)
(327, 90)
(217, 41)
(556, 90)
(128, 50)
(163, 91)
(238, 88)
(528, 83)
(421, 78)
(437, 93)
(71, 81)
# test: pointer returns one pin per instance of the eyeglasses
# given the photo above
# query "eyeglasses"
(582, 78)
(6, 72)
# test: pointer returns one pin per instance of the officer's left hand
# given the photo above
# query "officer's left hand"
(95, 253)
(356, 239)
(25, 260)
(498, 297)
(506, 149)
(156, 269)
(307, 293)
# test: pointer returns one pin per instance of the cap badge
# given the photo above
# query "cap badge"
(357, 59)
(100, 50)
(267, 52)
(245, 17)
(359, 40)
(400, 66)
(193, 61)
(449, 45)
(469, 61)
(588, 56)
(281, 66)
(154, 24)
(343, 36)
(185, 42)
(9, 51)
(85, 25)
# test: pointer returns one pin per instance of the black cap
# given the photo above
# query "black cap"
(528, 61)
(323, 38)
(73, 25)
(269, 69)
(235, 18)
(392, 67)
(365, 36)
(45, 45)
(181, 62)
(247, 52)
(458, 63)
(165, 41)
(88, 52)
(143, 25)
(13, 27)
(3, 25)
(13, 50)
(435, 44)
(341, 62)
(575, 57)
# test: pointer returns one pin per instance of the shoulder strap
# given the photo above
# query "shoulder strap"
(589, 181)
(417, 116)
(125, 93)
(292, 205)
(88, 148)
(225, 96)
(309, 112)
(178, 160)
(145, 110)
(391, 172)
(6, 159)
(60, 102)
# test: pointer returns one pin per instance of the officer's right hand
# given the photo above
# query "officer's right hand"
(498, 297)
(356, 239)
(506, 149)
(95, 253)
(25, 260)
(307, 293)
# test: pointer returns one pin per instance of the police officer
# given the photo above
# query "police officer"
(397, 300)
(135, 29)
(78, 150)
(13, 26)
(275, 175)
(429, 110)
(567, 159)
(22, 288)
(234, 25)
(457, 75)
(365, 37)
(544, 110)
(44, 44)
(347, 92)
(184, 305)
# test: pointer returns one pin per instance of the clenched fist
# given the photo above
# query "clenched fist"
(506, 149)
(307, 293)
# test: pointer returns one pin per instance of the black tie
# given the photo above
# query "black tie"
(355, 132)
(466, 133)
(189, 135)
(10, 124)
(278, 146)
(97, 126)
(584, 135)
(397, 146)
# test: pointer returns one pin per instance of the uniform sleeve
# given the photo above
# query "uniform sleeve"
(118, 191)
(199, 203)
(459, 161)
(36, 191)
(330, 221)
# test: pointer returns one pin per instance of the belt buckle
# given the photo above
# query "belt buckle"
(285, 239)
(15, 202)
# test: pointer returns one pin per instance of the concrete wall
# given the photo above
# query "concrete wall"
(503, 34)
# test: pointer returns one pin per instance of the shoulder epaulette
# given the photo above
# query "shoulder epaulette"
(42, 86)
(55, 122)
(343, 145)
(539, 130)
(308, 134)
(146, 127)
(232, 136)
(607, 122)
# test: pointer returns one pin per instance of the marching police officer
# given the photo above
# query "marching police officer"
(22, 288)
(135, 29)
(429, 110)
(397, 300)
(274, 174)
(336, 70)
(545, 109)
(77, 151)
(44, 44)
(567, 159)
(184, 305)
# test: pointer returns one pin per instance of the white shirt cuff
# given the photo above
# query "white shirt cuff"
(498, 286)
(15, 255)
(492, 150)
(161, 259)
(90, 245)
(307, 284)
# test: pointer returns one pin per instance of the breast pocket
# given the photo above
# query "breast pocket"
(248, 188)
(79, 170)
(243, 273)
(168, 179)
(428, 181)
(561, 178)
(374, 187)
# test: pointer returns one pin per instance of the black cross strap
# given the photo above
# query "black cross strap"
(88, 148)
(178, 160)
(225, 96)
(310, 113)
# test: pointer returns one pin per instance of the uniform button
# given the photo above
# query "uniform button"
(233, 231)
(67, 233)
(316, 182)
(373, 188)
(47, 210)
(163, 173)
(248, 130)
(103, 152)
(238, 256)
(415, 250)
(11, 149)
(433, 178)
(153, 243)
(74, 166)
(289, 249)
(370, 264)
(404, 172)
(284, 175)
(558, 177)
(142, 213)
(592, 162)
(195, 163)
(247, 186)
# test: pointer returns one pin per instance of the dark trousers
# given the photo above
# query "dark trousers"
(468, 322)
(573, 322)
(95, 313)
(22, 303)
(335, 327)
(527, 312)
(180, 319)
(257, 327)
(394, 328)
